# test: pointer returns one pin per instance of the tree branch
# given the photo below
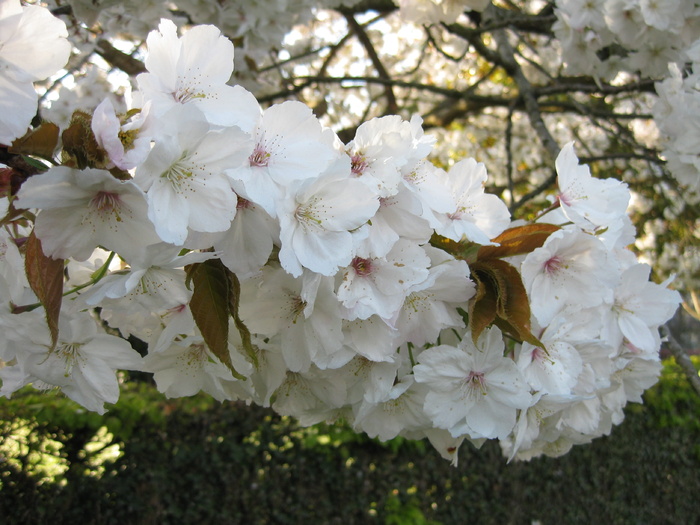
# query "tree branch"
(392, 107)
(119, 59)
(681, 358)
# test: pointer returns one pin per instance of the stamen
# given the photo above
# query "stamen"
(363, 267)
(259, 158)
(358, 164)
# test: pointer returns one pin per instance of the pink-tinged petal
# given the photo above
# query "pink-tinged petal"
(637, 332)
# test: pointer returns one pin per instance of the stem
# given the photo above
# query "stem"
(96, 277)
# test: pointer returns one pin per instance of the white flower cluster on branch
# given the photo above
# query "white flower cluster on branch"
(264, 260)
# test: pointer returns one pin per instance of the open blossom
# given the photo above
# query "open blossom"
(155, 281)
(639, 308)
(378, 285)
(83, 362)
(588, 202)
(290, 145)
(474, 389)
(380, 148)
(431, 305)
(33, 46)
(193, 70)
(184, 177)
(567, 270)
(127, 141)
(317, 218)
(84, 209)
(303, 312)
(476, 216)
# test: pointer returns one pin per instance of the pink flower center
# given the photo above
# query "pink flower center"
(259, 157)
(363, 267)
(106, 202)
(243, 204)
(538, 355)
(358, 164)
(476, 381)
(553, 264)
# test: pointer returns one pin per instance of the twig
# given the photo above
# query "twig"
(363, 37)
(682, 358)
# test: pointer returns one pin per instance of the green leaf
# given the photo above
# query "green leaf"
(210, 307)
(464, 250)
(45, 276)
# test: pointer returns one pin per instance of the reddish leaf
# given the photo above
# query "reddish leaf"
(234, 302)
(40, 142)
(482, 309)
(501, 299)
(518, 241)
(80, 144)
(45, 276)
(210, 307)
(515, 307)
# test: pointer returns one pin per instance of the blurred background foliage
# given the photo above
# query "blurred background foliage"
(151, 460)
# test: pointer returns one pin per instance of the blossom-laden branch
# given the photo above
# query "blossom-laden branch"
(267, 259)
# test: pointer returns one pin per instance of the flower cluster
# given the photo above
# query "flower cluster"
(264, 260)
(676, 114)
(603, 37)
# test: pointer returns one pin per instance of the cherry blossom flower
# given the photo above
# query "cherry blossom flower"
(317, 217)
(474, 389)
(476, 216)
(82, 364)
(379, 285)
(184, 178)
(83, 209)
(588, 202)
(127, 141)
(639, 308)
(33, 46)
(290, 145)
(303, 312)
(566, 270)
(193, 70)
(430, 306)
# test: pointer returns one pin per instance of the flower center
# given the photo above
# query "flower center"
(553, 264)
(243, 204)
(476, 382)
(70, 353)
(106, 202)
(259, 158)
(358, 164)
(177, 172)
(362, 267)
(297, 307)
(185, 94)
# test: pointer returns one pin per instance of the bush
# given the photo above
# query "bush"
(154, 460)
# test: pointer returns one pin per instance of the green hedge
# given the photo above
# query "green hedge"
(153, 460)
